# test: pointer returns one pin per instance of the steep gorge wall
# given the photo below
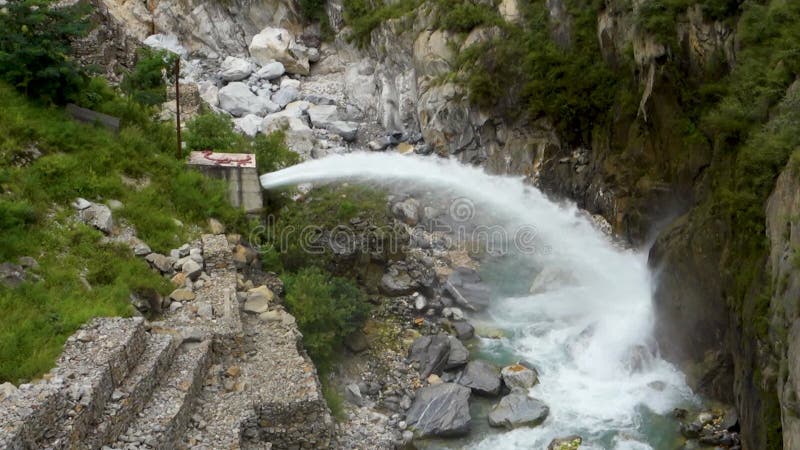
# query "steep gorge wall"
(645, 174)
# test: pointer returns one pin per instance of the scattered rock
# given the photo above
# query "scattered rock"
(566, 443)
(28, 262)
(352, 393)
(520, 377)
(432, 353)
(182, 295)
(481, 377)
(11, 275)
(115, 205)
(160, 262)
(205, 310)
(453, 312)
(407, 211)
(465, 287)
(517, 410)
(270, 71)
(7, 390)
(215, 226)
(249, 125)
(440, 410)
(277, 44)
(98, 216)
(235, 69)
(239, 100)
(464, 330)
(458, 356)
(356, 341)
(347, 130)
(192, 269)
(285, 95)
(256, 303)
(323, 115)
(261, 292)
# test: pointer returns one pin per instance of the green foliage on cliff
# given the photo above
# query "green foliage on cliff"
(363, 16)
(327, 309)
(35, 44)
(145, 83)
(212, 131)
(137, 167)
(525, 70)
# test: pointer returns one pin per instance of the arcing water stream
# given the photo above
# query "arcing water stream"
(587, 330)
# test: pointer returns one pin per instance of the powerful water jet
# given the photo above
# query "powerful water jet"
(588, 332)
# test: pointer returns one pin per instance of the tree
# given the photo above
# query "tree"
(145, 84)
(35, 39)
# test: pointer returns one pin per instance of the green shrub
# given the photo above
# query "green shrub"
(363, 16)
(463, 16)
(145, 84)
(271, 152)
(327, 309)
(212, 131)
(35, 37)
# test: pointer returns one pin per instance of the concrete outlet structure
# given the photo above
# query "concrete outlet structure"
(239, 170)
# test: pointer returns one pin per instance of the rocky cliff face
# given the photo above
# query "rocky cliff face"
(783, 211)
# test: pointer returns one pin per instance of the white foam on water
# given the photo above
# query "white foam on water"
(590, 337)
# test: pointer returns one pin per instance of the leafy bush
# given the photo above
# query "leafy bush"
(212, 131)
(35, 40)
(463, 16)
(326, 308)
(145, 83)
(363, 16)
(271, 152)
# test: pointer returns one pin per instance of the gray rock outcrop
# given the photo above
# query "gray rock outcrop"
(440, 410)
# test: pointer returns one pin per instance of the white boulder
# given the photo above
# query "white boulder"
(239, 100)
(270, 71)
(235, 69)
(249, 124)
(279, 44)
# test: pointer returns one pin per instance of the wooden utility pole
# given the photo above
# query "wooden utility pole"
(178, 103)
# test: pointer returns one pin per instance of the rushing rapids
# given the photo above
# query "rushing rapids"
(586, 326)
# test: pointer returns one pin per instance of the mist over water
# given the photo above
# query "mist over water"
(588, 330)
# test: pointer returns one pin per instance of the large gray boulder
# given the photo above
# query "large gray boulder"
(458, 356)
(279, 45)
(95, 215)
(518, 410)
(285, 95)
(270, 71)
(517, 376)
(235, 69)
(239, 100)
(440, 410)
(431, 352)
(482, 377)
(465, 287)
(322, 115)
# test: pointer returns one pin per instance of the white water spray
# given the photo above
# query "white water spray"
(584, 334)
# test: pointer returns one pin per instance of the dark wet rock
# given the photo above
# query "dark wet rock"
(482, 377)
(432, 353)
(459, 355)
(465, 287)
(464, 330)
(440, 410)
(406, 277)
(518, 410)
(691, 430)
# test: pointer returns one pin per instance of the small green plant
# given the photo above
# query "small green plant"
(327, 309)
(212, 131)
(271, 152)
(145, 84)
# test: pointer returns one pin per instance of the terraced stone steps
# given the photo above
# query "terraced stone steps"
(130, 398)
(99, 355)
(162, 421)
